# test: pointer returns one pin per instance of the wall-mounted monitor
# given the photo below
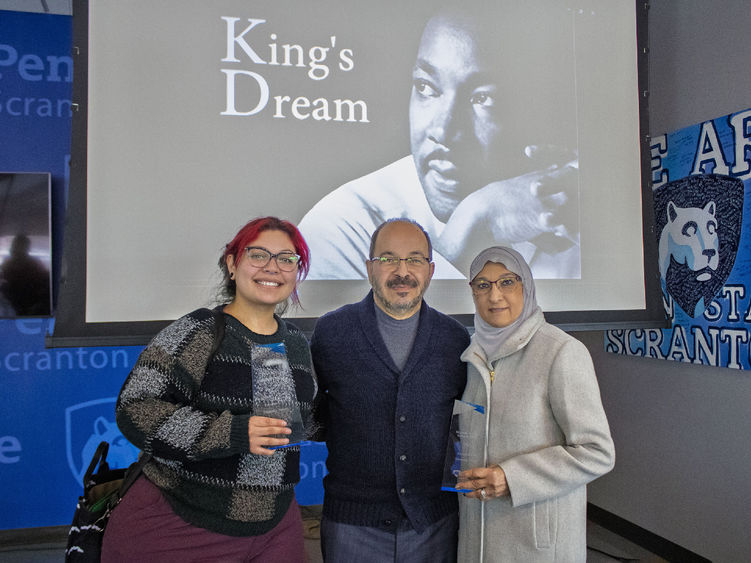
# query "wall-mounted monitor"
(25, 245)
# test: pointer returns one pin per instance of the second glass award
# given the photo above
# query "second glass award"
(466, 434)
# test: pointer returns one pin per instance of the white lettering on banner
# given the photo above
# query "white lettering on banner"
(64, 359)
(707, 349)
(35, 107)
(709, 158)
(732, 293)
(678, 350)
(240, 103)
(741, 124)
(314, 470)
(720, 347)
(727, 346)
(734, 337)
(34, 68)
(9, 445)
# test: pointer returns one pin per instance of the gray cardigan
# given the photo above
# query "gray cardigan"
(546, 427)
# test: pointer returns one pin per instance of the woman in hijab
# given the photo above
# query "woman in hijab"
(544, 435)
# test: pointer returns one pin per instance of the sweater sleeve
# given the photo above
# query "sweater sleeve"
(155, 408)
(320, 408)
(588, 450)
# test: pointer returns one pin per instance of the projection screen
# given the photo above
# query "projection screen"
(194, 117)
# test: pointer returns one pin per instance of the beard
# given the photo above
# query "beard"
(402, 307)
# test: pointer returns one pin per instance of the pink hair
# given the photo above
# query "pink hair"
(250, 232)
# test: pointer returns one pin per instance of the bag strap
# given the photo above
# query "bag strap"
(98, 459)
(133, 472)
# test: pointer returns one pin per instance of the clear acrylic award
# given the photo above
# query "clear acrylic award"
(465, 435)
(290, 413)
(268, 400)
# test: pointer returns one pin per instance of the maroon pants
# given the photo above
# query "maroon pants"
(144, 527)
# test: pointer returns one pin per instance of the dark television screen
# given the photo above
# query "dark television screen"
(25, 248)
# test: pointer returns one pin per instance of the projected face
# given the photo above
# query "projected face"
(265, 286)
(457, 134)
(398, 290)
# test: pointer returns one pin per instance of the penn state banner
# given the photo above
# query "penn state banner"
(58, 404)
(701, 176)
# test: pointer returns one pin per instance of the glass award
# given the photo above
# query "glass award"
(272, 399)
(466, 434)
(290, 413)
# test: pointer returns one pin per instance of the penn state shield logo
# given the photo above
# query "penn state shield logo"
(87, 424)
(698, 221)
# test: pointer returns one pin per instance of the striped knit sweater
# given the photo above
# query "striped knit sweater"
(193, 418)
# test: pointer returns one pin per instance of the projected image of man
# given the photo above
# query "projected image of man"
(490, 153)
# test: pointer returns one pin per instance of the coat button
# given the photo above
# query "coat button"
(402, 418)
(402, 491)
(403, 457)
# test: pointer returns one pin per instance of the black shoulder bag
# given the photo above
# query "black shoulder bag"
(102, 491)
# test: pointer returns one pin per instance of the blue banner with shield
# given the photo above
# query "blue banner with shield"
(701, 179)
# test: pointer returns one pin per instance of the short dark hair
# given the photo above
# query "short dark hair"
(375, 234)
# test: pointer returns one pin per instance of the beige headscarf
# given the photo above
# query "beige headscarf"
(489, 337)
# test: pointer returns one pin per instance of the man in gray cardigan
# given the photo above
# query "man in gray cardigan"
(389, 370)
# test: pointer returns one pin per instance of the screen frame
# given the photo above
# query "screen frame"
(72, 329)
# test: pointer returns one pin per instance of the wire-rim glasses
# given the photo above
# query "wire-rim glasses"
(389, 261)
(259, 257)
(505, 284)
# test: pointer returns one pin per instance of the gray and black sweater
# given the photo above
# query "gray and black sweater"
(193, 419)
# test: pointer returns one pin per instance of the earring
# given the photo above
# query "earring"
(232, 275)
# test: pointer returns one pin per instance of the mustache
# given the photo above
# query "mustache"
(401, 280)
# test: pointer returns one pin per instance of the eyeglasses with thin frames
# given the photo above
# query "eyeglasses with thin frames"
(505, 284)
(259, 257)
(394, 261)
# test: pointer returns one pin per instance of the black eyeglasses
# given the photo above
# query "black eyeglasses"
(506, 284)
(259, 257)
(393, 261)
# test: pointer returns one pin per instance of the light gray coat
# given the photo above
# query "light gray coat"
(546, 427)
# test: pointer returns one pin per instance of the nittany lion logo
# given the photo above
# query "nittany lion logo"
(699, 220)
(87, 424)
(690, 237)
